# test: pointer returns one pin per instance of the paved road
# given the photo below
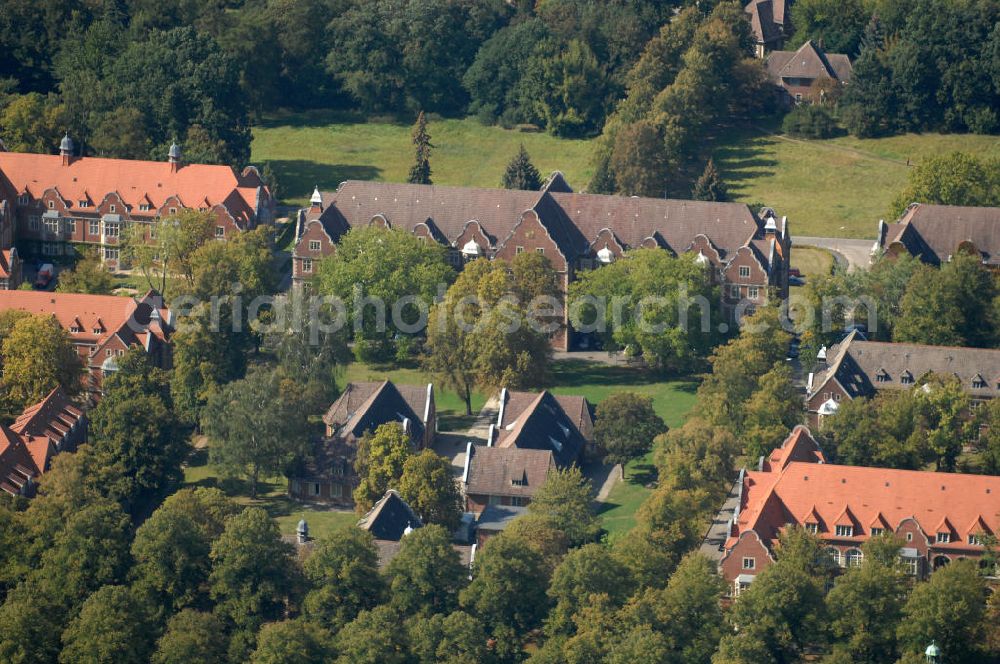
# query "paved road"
(718, 532)
(855, 253)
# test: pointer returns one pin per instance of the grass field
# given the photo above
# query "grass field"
(838, 187)
(325, 148)
(812, 261)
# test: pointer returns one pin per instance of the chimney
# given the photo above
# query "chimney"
(66, 150)
(174, 157)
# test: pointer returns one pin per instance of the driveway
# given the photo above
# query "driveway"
(718, 532)
(849, 253)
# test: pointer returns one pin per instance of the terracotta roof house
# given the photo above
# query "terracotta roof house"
(860, 369)
(51, 426)
(796, 71)
(799, 446)
(769, 24)
(10, 268)
(939, 516)
(391, 519)
(103, 327)
(934, 233)
(49, 202)
(744, 251)
(328, 474)
(507, 476)
(539, 421)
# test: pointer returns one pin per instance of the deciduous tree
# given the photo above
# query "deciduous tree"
(114, 625)
(626, 426)
(381, 457)
(191, 631)
(426, 575)
(37, 356)
(565, 499)
(428, 486)
(343, 573)
(87, 276)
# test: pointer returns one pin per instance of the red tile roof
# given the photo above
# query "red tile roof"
(92, 178)
(799, 446)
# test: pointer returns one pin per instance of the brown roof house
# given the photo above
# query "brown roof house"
(744, 251)
(935, 233)
(391, 519)
(48, 203)
(542, 421)
(51, 426)
(328, 474)
(506, 476)
(769, 24)
(797, 72)
(859, 369)
(940, 517)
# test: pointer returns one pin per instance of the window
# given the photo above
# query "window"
(882, 377)
(753, 292)
(108, 352)
(744, 271)
(837, 396)
(943, 538)
(52, 226)
(518, 501)
(84, 203)
(845, 531)
(518, 250)
(143, 207)
(111, 229)
(75, 329)
(877, 531)
(71, 226)
(110, 254)
(749, 563)
(812, 528)
(220, 231)
(307, 265)
(912, 565)
(540, 250)
(975, 404)
(173, 211)
(974, 540)
(52, 205)
(854, 557)
(112, 208)
(313, 488)
(120, 352)
(314, 245)
(494, 500)
(834, 556)
(739, 587)
(24, 199)
(734, 292)
(336, 490)
(906, 378)
(33, 222)
(909, 537)
(94, 227)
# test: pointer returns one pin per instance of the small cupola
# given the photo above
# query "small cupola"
(174, 157)
(302, 531)
(66, 149)
(317, 199)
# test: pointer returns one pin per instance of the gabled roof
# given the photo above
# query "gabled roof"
(933, 233)
(799, 446)
(136, 181)
(577, 408)
(389, 518)
(363, 407)
(542, 425)
(507, 471)
(763, 22)
(51, 418)
(856, 363)
(810, 61)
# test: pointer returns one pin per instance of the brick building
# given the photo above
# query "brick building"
(934, 233)
(328, 474)
(745, 253)
(856, 368)
(796, 72)
(48, 203)
(939, 517)
(769, 24)
(102, 327)
(51, 426)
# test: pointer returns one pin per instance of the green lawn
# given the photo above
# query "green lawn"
(838, 187)
(325, 148)
(271, 495)
(812, 261)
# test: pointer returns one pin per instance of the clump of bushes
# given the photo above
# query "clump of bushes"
(808, 121)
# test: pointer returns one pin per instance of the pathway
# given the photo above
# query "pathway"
(718, 532)
(452, 444)
(856, 253)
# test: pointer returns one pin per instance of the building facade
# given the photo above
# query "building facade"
(102, 328)
(935, 233)
(938, 517)
(798, 73)
(745, 253)
(49, 204)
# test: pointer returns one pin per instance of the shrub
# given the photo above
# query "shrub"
(808, 121)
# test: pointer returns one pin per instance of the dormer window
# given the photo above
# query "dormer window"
(978, 383)
(84, 203)
(76, 329)
(23, 199)
(845, 531)
(943, 538)
(975, 540)
(812, 528)
(877, 531)
(882, 376)
(906, 378)
(144, 207)
(519, 481)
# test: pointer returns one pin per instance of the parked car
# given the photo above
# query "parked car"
(45, 274)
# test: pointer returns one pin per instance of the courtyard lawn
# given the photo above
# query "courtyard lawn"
(271, 495)
(324, 148)
(812, 261)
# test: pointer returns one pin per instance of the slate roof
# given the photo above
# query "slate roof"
(542, 425)
(763, 22)
(810, 61)
(828, 493)
(497, 517)
(933, 233)
(577, 408)
(136, 181)
(507, 471)
(855, 364)
(389, 518)
(573, 220)
(363, 407)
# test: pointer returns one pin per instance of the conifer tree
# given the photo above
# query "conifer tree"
(420, 172)
(709, 187)
(521, 173)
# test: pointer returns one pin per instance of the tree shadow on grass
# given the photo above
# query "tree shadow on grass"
(299, 176)
(572, 373)
(642, 473)
(601, 508)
